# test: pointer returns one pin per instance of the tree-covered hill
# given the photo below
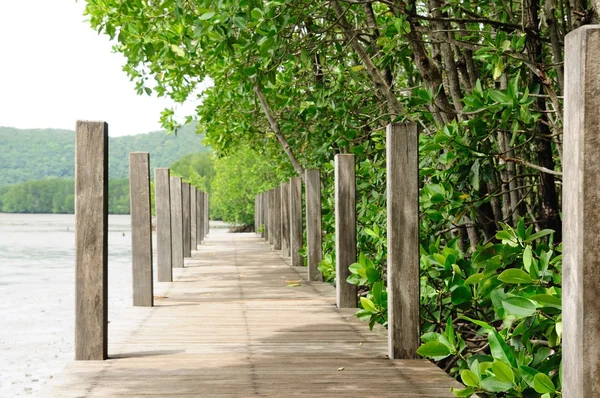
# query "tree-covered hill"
(46, 153)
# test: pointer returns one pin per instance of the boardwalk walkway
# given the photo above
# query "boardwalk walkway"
(230, 326)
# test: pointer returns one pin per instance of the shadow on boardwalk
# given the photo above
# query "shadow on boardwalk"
(230, 326)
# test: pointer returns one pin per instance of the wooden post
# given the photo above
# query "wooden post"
(265, 216)
(141, 228)
(91, 240)
(202, 219)
(206, 213)
(193, 217)
(581, 215)
(403, 240)
(277, 219)
(162, 194)
(187, 225)
(199, 216)
(296, 220)
(176, 223)
(271, 215)
(285, 219)
(345, 228)
(313, 224)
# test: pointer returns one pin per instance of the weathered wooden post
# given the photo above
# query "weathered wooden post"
(202, 220)
(200, 216)
(277, 219)
(257, 214)
(345, 228)
(176, 223)
(403, 240)
(193, 217)
(271, 215)
(91, 240)
(581, 215)
(164, 260)
(265, 216)
(285, 219)
(206, 213)
(187, 225)
(141, 228)
(313, 224)
(296, 220)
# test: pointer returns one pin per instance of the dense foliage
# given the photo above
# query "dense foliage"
(56, 195)
(37, 154)
(300, 81)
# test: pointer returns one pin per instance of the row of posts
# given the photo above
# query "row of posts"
(182, 223)
(278, 216)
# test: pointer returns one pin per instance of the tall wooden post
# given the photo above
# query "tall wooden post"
(403, 240)
(164, 260)
(206, 213)
(141, 228)
(265, 216)
(285, 219)
(581, 215)
(176, 222)
(199, 216)
(187, 225)
(296, 220)
(345, 228)
(277, 219)
(313, 224)
(271, 215)
(91, 240)
(193, 217)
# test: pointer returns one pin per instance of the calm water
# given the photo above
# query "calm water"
(37, 273)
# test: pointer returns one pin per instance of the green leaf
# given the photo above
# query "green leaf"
(469, 378)
(256, 13)
(499, 349)
(463, 392)
(527, 257)
(503, 372)
(543, 384)
(367, 304)
(528, 374)
(461, 294)
(206, 16)
(540, 234)
(473, 279)
(483, 324)
(519, 306)
(547, 300)
(434, 349)
(515, 275)
(178, 50)
(493, 384)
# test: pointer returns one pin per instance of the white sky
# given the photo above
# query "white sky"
(54, 70)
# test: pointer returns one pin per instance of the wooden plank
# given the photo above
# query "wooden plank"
(187, 223)
(276, 218)
(314, 237)
(271, 234)
(265, 217)
(263, 338)
(345, 228)
(176, 222)
(199, 210)
(91, 240)
(581, 212)
(285, 219)
(193, 217)
(164, 260)
(402, 159)
(296, 220)
(141, 228)
(202, 216)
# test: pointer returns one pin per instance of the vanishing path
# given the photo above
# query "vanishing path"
(230, 326)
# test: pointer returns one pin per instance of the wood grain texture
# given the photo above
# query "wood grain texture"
(265, 216)
(230, 326)
(176, 222)
(141, 228)
(91, 240)
(162, 194)
(314, 237)
(187, 219)
(271, 214)
(345, 228)
(193, 217)
(581, 212)
(296, 227)
(285, 219)
(201, 202)
(402, 159)
(199, 214)
(276, 218)
(206, 213)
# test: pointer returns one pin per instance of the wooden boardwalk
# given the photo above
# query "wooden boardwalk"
(230, 326)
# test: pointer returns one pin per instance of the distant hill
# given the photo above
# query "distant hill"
(49, 153)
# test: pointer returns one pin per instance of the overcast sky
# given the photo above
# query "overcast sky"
(54, 69)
